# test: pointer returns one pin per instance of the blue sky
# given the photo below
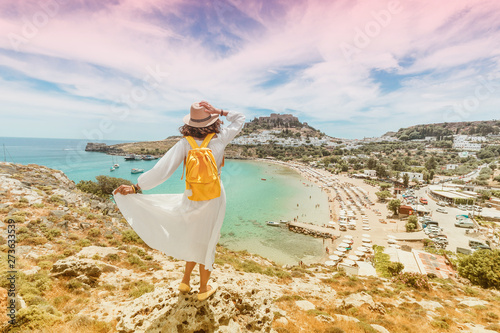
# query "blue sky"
(129, 70)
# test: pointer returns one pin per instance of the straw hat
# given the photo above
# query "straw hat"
(198, 117)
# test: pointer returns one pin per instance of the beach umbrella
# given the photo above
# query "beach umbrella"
(353, 257)
(343, 245)
(348, 262)
(330, 263)
(338, 253)
(367, 228)
(341, 249)
(391, 241)
(334, 257)
(348, 236)
(396, 246)
(391, 236)
(362, 249)
(348, 241)
(366, 235)
(359, 253)
(366, 240)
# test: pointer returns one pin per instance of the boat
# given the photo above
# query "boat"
(263, 179)
(116, 165)
(273, 223)
(134, 170)
(138, 157)
(148, 158)
(129, 157)
(283, 221)
(112, 169)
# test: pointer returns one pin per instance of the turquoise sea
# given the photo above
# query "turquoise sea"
(284, 194)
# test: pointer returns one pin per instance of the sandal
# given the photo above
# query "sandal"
(184, 288)
(207, 294)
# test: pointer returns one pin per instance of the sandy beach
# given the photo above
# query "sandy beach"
(378, 233)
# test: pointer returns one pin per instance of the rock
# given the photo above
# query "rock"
(57, 213)
(164, 310)
(32, 271)
(471, 301)
(233, 327)
(282, 321)
(380, 329)
(429, 305)
(305, 305)
(326, 319)
(23, 249)
(90, 251)
(63, 225)
(357, 300)
(77, 267)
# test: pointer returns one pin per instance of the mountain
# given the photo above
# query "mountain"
(447, 129)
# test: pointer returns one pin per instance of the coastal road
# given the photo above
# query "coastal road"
(456, 235)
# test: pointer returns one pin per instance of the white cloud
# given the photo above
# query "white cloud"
(99, 53)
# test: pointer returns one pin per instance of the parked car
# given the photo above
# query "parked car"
(478, 245)
(464, 223)
(442, 210)
(441, 203)
(423, 201)
(461, 207)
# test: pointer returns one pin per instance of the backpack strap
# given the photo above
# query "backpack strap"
(193, 145)
(205, 142)
(192, 142)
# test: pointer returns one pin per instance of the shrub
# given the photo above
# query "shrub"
(130, 236)
(36, 316)
(414, 280)
(94, 232)
(394, 268)
(482, 268)
(84, 242)
(138, 288)
(103, 187)
(112, 257)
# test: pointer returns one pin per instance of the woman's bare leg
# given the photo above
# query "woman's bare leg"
(204, 276)
(187, 272)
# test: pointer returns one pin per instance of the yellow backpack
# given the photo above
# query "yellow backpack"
(202, 176)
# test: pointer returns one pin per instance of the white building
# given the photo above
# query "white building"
(451, 166)
(413, 175)
(464, 142)
(370, 173)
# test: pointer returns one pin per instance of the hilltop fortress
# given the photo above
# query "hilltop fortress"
(279, 120)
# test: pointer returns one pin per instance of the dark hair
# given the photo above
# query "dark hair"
(200, 132)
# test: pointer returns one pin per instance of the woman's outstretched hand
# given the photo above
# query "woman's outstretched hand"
(209, 108)
(124, 189)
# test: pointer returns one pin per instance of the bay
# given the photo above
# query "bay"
(251, 201)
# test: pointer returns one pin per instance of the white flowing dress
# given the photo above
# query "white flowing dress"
(171, 223)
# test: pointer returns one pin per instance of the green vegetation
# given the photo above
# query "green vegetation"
(383, 195)
(412, 224)
(414, 280)
(394, 205)
(482, 268)
(103, 187)
(138, 288)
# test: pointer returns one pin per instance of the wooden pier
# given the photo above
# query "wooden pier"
(311, 229)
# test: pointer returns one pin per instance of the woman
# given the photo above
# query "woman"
(172, 223)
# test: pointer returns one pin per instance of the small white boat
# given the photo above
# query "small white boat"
(284, 221)
(135, 170)
(112, 169)
(116, 165)
(273, 223)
